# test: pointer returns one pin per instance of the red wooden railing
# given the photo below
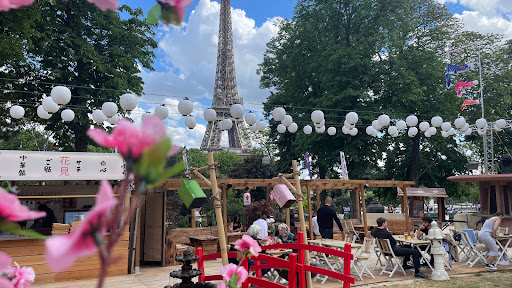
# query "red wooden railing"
(295, 265)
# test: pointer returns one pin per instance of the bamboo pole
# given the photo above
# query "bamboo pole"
(440, 211)
(310, 212)
(202, 177)
(406, 208)
(358, 205)
(288, 184)
(225, 210)
(300, 198)
(218, 209)
(287, 213)
(268, 190)
(193, 218)
(363, 204)
(317, 192)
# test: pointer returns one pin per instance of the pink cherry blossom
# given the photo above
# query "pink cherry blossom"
(179, 5)
(12, 210)
(62, 251)
(5, 262)
(105, 4)
(248, 244)
(22, 277)
(129, 140)
(5, 5)
(221, 285)
(230, 270)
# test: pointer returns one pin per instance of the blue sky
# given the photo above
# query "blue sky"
(186, 56)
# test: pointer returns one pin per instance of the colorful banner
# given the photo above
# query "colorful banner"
(464, 85)
(456, 69)
(469, 102)
(306, 159)
(185, 161)
(344, 170)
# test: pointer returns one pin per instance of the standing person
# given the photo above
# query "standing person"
(263, 233)
(271, 229)
(325, 217)
(487, 236)
(199, 219)
(381, 232)
(316, 229)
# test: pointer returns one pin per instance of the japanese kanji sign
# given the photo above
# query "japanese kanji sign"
(40, 166)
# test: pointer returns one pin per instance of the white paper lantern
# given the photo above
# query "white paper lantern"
(307, 129)
(481, 123)
(113, 120)
(61, 95)
(446, 126)
(427, 134)
(320, 130)
(465, 128)
(260, 125)
(353, 132)
(498, 129)
(436, 121)
(190, 122)
(281, 128)
(317, 116)
(278, 114)
(370, 130)
(287, 121)
(432, 131)
(481, 132)
(345, 130)
(411, 120)
(413, 131)
(250, 118)
(226, 124)
(451, 131)
(459, 122)
(293, 128)
(352, 117)
(468, 132)
(424, 126)
(331, 131)
(98, 116)
(42, 113)
(210, 115)
(395, 135)
(128, 101)
(376, 125)
(444, 134)
(109, 109)
(401, 125)
(392, 130)
(50, 106)
(161, 112)
(144, 116)
(253, 128)
(501, 123)
(67, 115)
(17, 112)
(237, 111)
(185, 107)
(383, 120)
(348, 125)
(318, 125)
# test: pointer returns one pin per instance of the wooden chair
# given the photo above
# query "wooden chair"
(476, 251)
(392, 261)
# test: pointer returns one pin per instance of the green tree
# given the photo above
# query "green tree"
(96, 54)
(28, 140)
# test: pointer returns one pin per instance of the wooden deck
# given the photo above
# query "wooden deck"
(158, 277)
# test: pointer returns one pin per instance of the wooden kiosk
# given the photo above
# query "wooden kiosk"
(495, 194)
(61, 181)
(421, 192)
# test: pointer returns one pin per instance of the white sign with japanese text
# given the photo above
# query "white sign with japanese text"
(44, 166)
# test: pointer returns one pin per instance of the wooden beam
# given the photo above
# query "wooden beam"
(440, 211)
(218, 209)
(363, 203)
(289, 175)
(201, 176)
(358, 205)
(268, 191)
(310, 212)
(225, 209)
(317, 192)
(288, 184)
(500, 199)
(406, 209)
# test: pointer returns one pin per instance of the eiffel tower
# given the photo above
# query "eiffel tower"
(225, 92)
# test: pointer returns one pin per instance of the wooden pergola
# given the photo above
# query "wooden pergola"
(316, 185)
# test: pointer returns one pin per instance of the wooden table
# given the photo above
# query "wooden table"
(415, 244)
(508, 239)
(233, 236)
(334, 243)
(207, 242)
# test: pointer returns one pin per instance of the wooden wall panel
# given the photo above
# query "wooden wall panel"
(153, 237)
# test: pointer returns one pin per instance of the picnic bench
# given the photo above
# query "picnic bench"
(177, 241)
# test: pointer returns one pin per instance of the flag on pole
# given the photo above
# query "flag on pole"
(306, 159)
(344, 170)
(469, 102)
(464, 85)
(185, 161)
(456, 69)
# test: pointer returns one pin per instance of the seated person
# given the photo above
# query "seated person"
(382, 232)
(237, 225)
(284, 234)
(254, 231)
(422, 232)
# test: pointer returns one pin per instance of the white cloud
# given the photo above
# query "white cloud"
(474, 21)
(190, 53)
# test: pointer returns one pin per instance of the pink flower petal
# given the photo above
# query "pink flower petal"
(247, 244)
(23, 277)
(12, 210)
(101, 137)
(229, 270)
(4, 283)
(105, 4)
(175, 149)
(5, 262)
(62, 251)
(5, 5)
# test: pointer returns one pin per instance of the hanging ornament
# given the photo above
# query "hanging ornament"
(251, 118)
(17, 112)
(98, 116)
(210, 115)
(161, 112)
(376, 125)
(459, 122)
(436, 121)
(293, 128)
(128, 101)
(260, 125)
(109, 109)
(278, 114)
(113, 120)
(413, 131)
(432, 131)
(349, 125)
(392, 130)
(317, 116)
(287, 120)
(370, 130)
(67, 115)
(281, 128)
(401, 125)
(307, 129)
(190, 122)
(185, 107)
(352, 117)
(353, 132)
(237, 111)
(345, 130)
(50, 106)
(145, 115)
(446, 126)
(481, 123)
(424, 126)
(501, 123)
(411, 120)
(331, 131)
(320, 130)
(383, 120)
(42, 113)
(61, 95)
(253, 128)
(226, 124)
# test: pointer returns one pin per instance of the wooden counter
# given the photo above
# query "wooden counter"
(30, 252)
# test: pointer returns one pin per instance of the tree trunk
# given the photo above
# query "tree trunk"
(414, 164)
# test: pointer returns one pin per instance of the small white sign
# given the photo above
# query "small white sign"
(44, 166)
(247, 198)
(344, 170)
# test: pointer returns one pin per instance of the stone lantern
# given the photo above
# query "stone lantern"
(435, 235)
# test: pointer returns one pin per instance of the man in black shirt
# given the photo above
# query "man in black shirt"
(325, 216)
(382, 233)
(423, 229)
